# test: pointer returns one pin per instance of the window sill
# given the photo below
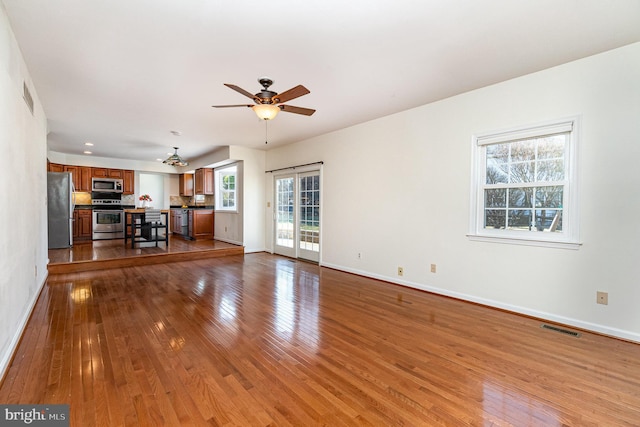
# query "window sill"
(525, 242)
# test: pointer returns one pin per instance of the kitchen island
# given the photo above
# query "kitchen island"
(135, 229)
(192, 223)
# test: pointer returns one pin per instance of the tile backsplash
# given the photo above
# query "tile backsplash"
(128, 199)
(131, 200)
(82, 198)
(191, 201)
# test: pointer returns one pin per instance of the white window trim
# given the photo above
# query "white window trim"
(569, 239)
(218, 189)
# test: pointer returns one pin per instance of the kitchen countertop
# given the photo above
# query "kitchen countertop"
(142, 210)
(193, 207)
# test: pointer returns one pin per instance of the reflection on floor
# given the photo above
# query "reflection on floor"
(101, 254)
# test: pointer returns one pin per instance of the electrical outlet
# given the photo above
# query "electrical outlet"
(433, 268)
(400, 271)
(268, 204)
(225, 229)
(359, 255)
(602, 298)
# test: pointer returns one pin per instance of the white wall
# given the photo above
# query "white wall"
(397, 190)
(253, 197)
(153, 184)
(23, 186)
(247, 226)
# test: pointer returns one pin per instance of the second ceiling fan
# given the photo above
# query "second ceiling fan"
(269, 103)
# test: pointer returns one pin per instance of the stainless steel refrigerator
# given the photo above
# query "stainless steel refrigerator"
(60, 209)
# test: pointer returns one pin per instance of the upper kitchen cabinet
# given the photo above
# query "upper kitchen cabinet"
(100, 172)
(204, 181)
(116, 173)
(81, 177)
(55, 167)
(108, 173)
(128, 184)
(186, 184)
(125, 175)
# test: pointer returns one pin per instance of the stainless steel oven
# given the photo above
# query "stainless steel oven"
(108, 224)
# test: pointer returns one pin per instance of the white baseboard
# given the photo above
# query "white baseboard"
(588, 326)
(253, 250)
(5, 360)
(233, 242)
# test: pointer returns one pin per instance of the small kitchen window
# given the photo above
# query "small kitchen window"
(524, 187)
(226, 188)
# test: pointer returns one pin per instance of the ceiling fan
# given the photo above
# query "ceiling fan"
(268, 102)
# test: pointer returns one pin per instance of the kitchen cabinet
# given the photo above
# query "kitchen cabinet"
(201, 224)
(55, 167)
(100, 172)
(82, 225)
(186, 184)
(107, 173)
(128, 184)
(81, 177)
(116, 173)
(204, 181)
(126, 175)
(175, 219)
(85, 178)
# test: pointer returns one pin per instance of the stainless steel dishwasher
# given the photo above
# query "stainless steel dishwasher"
(185, 222)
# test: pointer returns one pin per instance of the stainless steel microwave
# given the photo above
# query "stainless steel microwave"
(106, 185)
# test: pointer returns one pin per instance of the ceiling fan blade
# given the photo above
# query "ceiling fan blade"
(228, 106)
(290, 94)
(297, 110)
(240, 90)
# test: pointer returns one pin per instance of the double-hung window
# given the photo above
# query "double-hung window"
(524, 185)
(226, 188)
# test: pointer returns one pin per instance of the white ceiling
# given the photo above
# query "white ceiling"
(124, 73)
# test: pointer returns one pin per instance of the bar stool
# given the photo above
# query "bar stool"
(152, 222)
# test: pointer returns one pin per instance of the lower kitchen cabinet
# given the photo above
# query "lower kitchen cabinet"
(82, 225)
(175, 221)
(201, 223)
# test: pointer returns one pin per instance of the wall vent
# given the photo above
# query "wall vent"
(561, 330)
(28, 99)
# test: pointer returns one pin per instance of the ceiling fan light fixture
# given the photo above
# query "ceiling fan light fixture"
(175, 160)
(266, 111)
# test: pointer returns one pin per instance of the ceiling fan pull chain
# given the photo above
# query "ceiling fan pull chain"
(266, 139)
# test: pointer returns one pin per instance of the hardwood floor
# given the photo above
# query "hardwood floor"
(259, 340)
(105, 254)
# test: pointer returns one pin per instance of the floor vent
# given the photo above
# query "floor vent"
(561, 330)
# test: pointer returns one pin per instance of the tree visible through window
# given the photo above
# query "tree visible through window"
(525, 185)
(226, 192)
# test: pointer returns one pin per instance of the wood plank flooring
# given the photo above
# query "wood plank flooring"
(105, 254)
(261, 340)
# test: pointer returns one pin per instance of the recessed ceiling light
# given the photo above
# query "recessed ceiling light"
(176, 132)
(88, 152)
(89, 144)
(159, 160)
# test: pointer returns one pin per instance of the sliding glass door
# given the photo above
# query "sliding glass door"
(297, 215)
